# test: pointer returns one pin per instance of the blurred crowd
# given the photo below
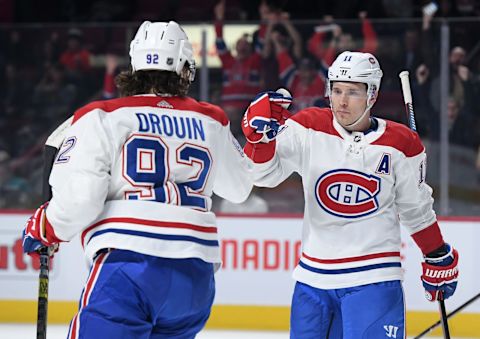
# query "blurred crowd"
(48, 71)
(191, 10)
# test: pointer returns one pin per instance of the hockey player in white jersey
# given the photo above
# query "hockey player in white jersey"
(134, 177)
(362, 177)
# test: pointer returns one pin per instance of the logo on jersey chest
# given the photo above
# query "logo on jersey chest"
(347, 193)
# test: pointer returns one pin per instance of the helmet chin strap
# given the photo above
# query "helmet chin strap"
(356, 122)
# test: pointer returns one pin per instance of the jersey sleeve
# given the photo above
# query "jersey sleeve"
(80, 176)
(234, 174)
(414, 200)
(284, 158)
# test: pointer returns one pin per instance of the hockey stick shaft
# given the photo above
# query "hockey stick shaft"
(45, 252)
(443, 318)
(407, 98)
(42, 311)
(449, 315)
(52, 145)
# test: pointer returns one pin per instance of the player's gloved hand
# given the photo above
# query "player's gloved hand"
(264, 116)
(440, 272)
(39, 233)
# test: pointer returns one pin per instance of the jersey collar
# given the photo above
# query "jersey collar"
(369, 136)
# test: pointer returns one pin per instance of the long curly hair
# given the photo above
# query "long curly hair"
(152, 82)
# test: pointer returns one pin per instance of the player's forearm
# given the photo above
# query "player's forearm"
(239, 191)
(269, 174)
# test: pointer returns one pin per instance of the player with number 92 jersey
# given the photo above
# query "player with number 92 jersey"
(138, 173)
(134, 178)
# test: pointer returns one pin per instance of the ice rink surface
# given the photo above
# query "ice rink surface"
(22, 331)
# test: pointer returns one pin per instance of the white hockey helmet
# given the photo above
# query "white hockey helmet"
(356, 67)
(162, 46)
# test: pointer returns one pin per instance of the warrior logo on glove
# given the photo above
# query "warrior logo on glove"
(440, 275)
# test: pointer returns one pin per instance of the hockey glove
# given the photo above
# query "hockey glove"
(38, 233)
(264, 116)
(440, 273)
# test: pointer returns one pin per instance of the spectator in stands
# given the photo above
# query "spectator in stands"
(268, 10)
(461, 121)
(53, 97)
(461, 124)
(304, 80)
(281, 30)
(411, 55)
(75, 58)
(49, 52)
(424, 111)
(17, 92)
(241, 73)
(461, 84)
(460, 75)
(77, 68)
(341, 41)
(109, 89)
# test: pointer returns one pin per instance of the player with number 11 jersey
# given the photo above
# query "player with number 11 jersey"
(362, 177)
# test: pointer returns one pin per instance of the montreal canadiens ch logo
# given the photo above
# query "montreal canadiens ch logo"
(347, 193)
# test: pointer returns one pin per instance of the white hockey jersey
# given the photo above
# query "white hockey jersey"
(358, 188)
(137, 173)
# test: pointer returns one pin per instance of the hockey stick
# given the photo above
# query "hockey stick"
(443, 318)
(42, 311)
(451, 314)
(52, 145)
(407, 98)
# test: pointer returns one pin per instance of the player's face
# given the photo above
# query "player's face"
(349, 100)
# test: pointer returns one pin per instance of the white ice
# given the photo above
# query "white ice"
(27, 331)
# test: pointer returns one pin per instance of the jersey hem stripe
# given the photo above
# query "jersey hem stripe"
(213, 243)
(348, 270)
(352, 259)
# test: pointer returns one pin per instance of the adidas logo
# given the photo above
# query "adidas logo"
(164, 104)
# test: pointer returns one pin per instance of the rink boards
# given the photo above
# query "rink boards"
(254, 286)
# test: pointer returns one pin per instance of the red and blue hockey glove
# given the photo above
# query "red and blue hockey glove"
(265, 115)
(39, 232)
(440, 272)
